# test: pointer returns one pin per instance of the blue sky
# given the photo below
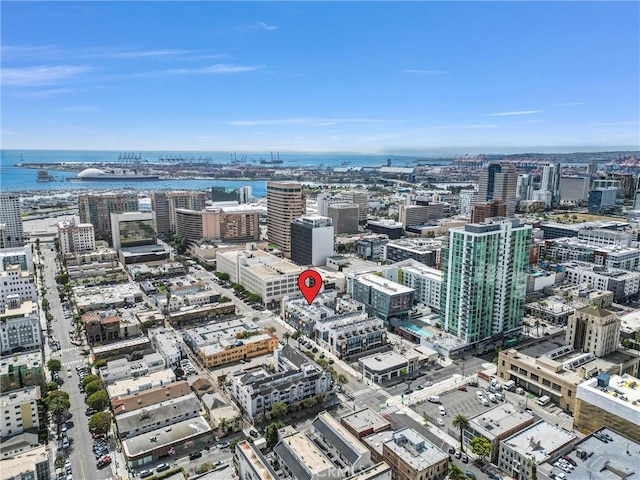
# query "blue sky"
(330, 76)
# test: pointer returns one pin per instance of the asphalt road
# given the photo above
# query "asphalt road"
(83, 462)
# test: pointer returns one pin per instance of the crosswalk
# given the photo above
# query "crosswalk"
(361, 392)
(70, 349)
(389, 410)
(71, 363)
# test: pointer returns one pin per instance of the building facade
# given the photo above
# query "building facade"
(344, 217)
(10, 221)
(382, 298)
(76, 238)
(20, 411)
(218, 224)
(311, 240)
(484, 279)
(166, 204)
(19, 325)
(96, 209)
(499, 181)
(594, 329)
(285, 203)
(412, 457)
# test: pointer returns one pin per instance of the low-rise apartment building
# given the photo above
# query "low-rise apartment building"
(296, 378)
(89, 299)
(157, 416)
(422, 250)
(19, 325)
(20, 411)
(624, 284)
(193, 314)
(349, 334)
(300, 458)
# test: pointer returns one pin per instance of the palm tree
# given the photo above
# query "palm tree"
(461, 422)
(286, 336)
(537, 324)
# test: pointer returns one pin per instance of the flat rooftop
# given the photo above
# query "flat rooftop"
(382, 284)
(621, 396)
(302, 456)
(132, 342)
(415, 450)
(383, 361)
(365, 419)
(127, 386)
(373, 472)
(539, 440)
(25, 462)
(615, 460)
(499, 420)
(29, 360)
(256, 460)
(167, 435)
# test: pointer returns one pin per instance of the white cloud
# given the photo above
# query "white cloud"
(265, 26)
(37, 94)
(508, 114)
(219, 68)
(41, 75)
(317, 122)
(426, 72)
(567, 104)
(144, 53)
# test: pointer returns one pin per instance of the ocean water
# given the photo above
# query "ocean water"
(15, 179)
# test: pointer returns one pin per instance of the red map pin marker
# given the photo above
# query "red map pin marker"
(309, 283)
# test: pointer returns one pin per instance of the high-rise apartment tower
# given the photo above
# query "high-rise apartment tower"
(285, 203)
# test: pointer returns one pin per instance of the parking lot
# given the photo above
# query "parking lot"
(455, 402)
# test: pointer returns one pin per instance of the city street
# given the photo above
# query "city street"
(83, 462)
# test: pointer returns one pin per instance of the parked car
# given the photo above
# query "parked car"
(440, 422)
(254, 433)
(195, 455)
(470, 474)
(452, 449)
(65, 442)
(465, 458)
(223, 444)
(162, 467)
(458, 454)
(145, 473)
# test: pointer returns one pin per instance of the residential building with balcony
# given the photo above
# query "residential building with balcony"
(19, 325)
(351, 334)
(425, 281)
(382, 298)
(422, 250)
(16, 281)
(21, 412)
(296, 378)
(76, 237)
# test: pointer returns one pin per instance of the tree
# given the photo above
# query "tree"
(279, 409)
(100, 363)
(100, 422)
(342, 379)
(59, 463)
(222, 276)
(461, 422)
(45, 303)
(455, 473)
(62, 278)
(54, 365)
(92, 387)
(481, 447)
(58, 404)
(271, 433)
(88, 379)
(51, 386)
(286, 336)
(224, 299)
(98, 401)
